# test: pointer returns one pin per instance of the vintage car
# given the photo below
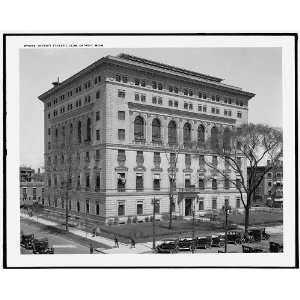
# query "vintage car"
(41, 246)
(235, 237)
(185, 243)
(258, 234)
(218, 240)
(203, 242)
(167, 246)
(27, 240)
(248, 249)
(275, 247)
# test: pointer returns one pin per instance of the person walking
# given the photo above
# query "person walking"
(132, 243)
(116, 242)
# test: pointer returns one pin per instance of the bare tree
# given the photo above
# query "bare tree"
(246, 146)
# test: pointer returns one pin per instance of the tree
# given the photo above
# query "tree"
(246, 146)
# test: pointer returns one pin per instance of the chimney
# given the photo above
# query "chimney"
(56, 83)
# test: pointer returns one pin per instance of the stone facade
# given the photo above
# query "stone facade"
(121, 162)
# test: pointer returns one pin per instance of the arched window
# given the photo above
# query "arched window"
(71, 129)
(214, 137)
(88, 130)
(187, 133)
(155, 130)
(139, 128)
(79, 132)
(56, 132)
(201, 134)
(226, 138)
(172, 133)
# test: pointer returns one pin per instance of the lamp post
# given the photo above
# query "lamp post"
(154, 203)
(226, 208)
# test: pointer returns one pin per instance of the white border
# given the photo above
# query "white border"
(286, 259)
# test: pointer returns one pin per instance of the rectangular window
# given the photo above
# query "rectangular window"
(199, 107)
(157, 206)
(87, 206)
(217, 111)
(121, 93)
(98, 95)
(136, 82)
(121, 181)
(154, 100)
(137, 97)
(204, 109)
(226, 202)
(185, 105)
(121, 208)
(239, 114)
(175, 103)
(97, 181)
(217, 98)
(238, 203)
(238, 183)
(143, 98)
(98, 135)
(201, 184)
(226, 183)
(154, 85)
(214, 203)
(143, 83)
(213, 110)
(185, 92)
(200, 95)
(156, 182)
(214, 184)
(139, 208)
(170, 103)
(201, 204)
(118, 78)
(176, 90)
(190, 106)
(97, 156)
(124, 79)
(170, 89)
(187, 180)
(97, 115)
(160, 101)
(33, 193)
(159, 86)
(139, 182)
(87, 180)
(97, 208)
(190, 93)
(121, 134)
(121, 115)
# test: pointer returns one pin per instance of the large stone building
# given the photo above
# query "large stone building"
(125, 121)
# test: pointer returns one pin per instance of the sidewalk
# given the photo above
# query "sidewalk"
(123, 248)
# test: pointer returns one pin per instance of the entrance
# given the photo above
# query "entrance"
(188, 207)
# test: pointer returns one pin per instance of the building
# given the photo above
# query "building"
(270, 190)
(31, 186)
(114, 130)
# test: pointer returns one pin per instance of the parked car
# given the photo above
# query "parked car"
(236, 237)
(258, 233)
(218, 240)
(27, 240)
(167, 246)
(248, 249)
(203, 242)
(185, 243)
(41, 246)
(275, 247)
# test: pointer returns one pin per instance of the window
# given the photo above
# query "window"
(121, 93)
(97, 187)
(170, 89)
(97, 208)
(204, 109)
(239, 114)
(98, 95)
(97, 156)
(199, 107)
(154, 100)
(213, 98)
(79, 132)
(139, 182)
(33, 193)
(170, 102)
(190, 93)
(191, 106)
(213, 110)
(156, 182)
(226, 183)
(175, 103)
(136, 82)
(88, 130)
(139, 208)
(238, 203)
(159, 86)
(201, 134)
(214, 184)
(215, 160)
(87, 156)
(199, 95)
(226, 138)
(214, 138)
(78, 206)
(201, 204)
(185, 92)
(48, 115)
(121, 181)
(121, 208)
(156, 130)
(143, 97)
(188, 160)
(121, 134)
(269, 183)
(217, 98)
(172, 133)
(143, 83)
(139, 128)
(97, 115)
(97, 79)
(201, 160)
(201, 183)
(124, 79)
(238, 183)
(98, 135)
(55, 201)
(137, 97)
(87, 206)
(87, 180)
(226, 202)
(157, 206)
(185, 105)
(187, 180)
(118, 78)
(176, 90)
(187, 130)
(217, 111)
(154, 85)
(160, 101)
(214, 203)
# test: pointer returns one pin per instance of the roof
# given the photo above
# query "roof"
(138, 62)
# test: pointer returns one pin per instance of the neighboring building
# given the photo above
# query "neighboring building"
(31, 186)
(119, 119)
(270, 190)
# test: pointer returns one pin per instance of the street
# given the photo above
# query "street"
(61, 244)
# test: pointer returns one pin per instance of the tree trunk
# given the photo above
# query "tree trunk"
(247, 215)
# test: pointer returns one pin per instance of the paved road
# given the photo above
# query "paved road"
(60, 244)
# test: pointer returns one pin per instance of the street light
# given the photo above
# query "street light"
(154, 203)
(226, 209)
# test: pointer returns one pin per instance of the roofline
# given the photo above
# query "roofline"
(114, 59)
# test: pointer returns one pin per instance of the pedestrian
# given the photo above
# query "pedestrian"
(132, 243)
(91, 248)
(116, 242)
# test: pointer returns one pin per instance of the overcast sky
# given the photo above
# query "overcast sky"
(256, 70)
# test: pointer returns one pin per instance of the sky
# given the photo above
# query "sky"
(256, 70)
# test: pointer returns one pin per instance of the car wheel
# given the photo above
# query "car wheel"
(238, 241)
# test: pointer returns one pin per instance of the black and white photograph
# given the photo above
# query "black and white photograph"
(176, 149)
